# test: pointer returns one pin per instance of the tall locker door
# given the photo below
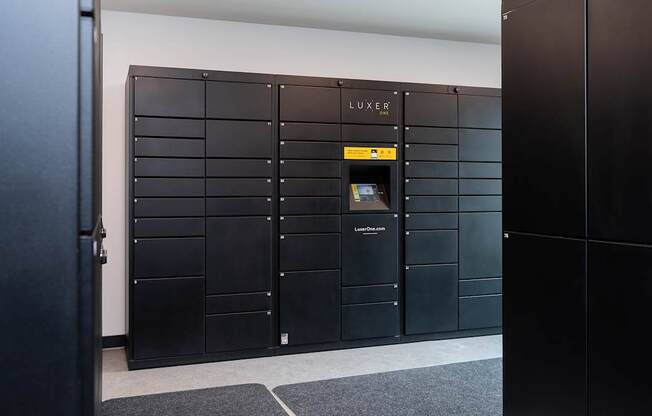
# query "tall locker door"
(619, 114)
(544, 155)
(544, 326)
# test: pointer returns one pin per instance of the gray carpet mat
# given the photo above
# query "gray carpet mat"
(241, 400)
(464, 389)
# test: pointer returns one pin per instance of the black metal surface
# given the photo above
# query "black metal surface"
(310, 311)
(239, 168)
(238, 331)
(168, 257)
(310, 132)
(168, 127)
(241, 139)
(549, 325)
(168, 317)
(309, 252)
(431, 299)
(479, 112)
(369, 107)
(310, 224)
(428, 152)
(370, 320)
(158, 97)
(480, 245)
(315, 104)
(370, 134)
(432, 246)
(167, 147)
(480, 312)
(431, 135)
(369, 294)
(481, 145)
(545, 172)
(477, 287)
(238, 101)
(425, 109)
(247, 302)
(169, 227)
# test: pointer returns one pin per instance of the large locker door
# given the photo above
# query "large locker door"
(238, 254)
(165, 97)
(309, 307)
(312, 104)
(619, 127)
(480, 245)
(168, 317)
(544, 155)
(430, 299)
(619, 293)
(544, 326)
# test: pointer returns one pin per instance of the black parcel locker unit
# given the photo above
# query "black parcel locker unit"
(577, 206)
(279, 212)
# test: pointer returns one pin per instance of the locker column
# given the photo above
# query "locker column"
(167, 247)
(431, 205)
(239, 189)
(309, 207)
(480, 170)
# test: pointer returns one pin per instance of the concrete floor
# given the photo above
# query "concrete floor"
(289, 369)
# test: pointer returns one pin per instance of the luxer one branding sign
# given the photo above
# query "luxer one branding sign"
(382, 107)
(368, 229)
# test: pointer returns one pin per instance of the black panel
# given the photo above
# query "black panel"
(445, 221)
(238, 187)
(431, 169)
(431, 135)
(238, 331)
(245, 139)
(431, 204)
(480, 203)
(164, 97)
(168, 167)
(430, 299)
(168, 227)
(480, 170)
(619, 293)
(310, 150)
(427, 247)
(481, 187)
(168, 127)
(238, 206)
(430, 152)
(238, 255)
(371, 320)
(548, 324)
(237, 100)
(369, 134)
(160, 147)
(543, 154)
(369, 107)
(310, 169)
(318, 104)
(310, 224)
(168, 316)
(481, 312)
(481, 145)
(310, 187)
(169, 207)
(369, 249)
(310, 306)
(619, 127)
(480, 112)
(168, 257)
(145, 187)
(480, 245)
(479, 287)
(309, 252)
(246, 302)
(310, 131)
(431, 186)
(369, 294)
(426, 109)
(256, 168)
(311, 205)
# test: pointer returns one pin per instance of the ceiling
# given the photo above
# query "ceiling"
(461, 20)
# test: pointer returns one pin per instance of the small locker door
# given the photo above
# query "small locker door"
(165, 97)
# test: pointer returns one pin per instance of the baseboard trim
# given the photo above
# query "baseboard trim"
(114, 341)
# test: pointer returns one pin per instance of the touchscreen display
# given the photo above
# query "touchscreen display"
(365, 192)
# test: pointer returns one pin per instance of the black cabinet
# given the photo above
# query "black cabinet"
(548, 323)
(431, 299)
(168, 317)
(309, 307)
(370, 320)
(369, 249)
(304, 103)
(238, 100)
(165, 97)
(238, 254)
(428, 109)
(238, 331)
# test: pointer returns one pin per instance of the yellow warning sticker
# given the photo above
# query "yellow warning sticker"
(369, 153)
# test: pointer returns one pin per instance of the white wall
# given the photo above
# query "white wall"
(141, 39)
